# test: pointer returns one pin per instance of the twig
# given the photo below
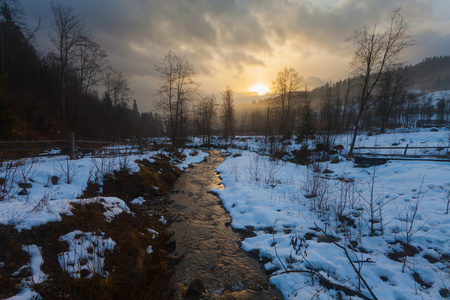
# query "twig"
(351, 263)
(275, 246)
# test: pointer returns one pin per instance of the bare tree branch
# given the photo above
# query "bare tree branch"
(375, 52)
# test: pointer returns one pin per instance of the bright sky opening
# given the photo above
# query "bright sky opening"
(260, 89)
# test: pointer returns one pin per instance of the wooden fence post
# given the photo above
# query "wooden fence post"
(406, 149)
(72, 145)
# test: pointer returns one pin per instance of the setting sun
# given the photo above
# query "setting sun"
(259, 88)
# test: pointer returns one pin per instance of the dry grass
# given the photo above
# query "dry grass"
(133, 273)
(152, 180)
(13, 257)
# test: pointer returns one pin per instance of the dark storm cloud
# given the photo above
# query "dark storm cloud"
(433, 44)
(233, 31)
(329, 26)
(231, 35)
(181, 26)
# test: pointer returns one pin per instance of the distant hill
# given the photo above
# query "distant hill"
(432, 74)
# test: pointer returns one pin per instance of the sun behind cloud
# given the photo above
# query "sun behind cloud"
(260, 89)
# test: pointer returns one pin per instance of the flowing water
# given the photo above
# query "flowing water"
(209, 249)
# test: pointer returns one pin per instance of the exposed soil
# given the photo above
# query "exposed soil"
(211, 264)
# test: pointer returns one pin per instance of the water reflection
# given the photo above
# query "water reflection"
(209, 250)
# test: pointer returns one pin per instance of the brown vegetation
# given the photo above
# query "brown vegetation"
(134, 273)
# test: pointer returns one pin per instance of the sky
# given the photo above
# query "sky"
(242, 43)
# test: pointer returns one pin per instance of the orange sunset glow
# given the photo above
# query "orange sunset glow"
(234, 43)
(260, 89)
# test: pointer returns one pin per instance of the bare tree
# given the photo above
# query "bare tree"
(117, 87)
(228, 112)
(69, 32)
(393, 85)
(375, 52)
(206, 115)
(89, 63)
(176, 90)
(117, 95)
(286, 86)
(328, 119)
(120, 90)
(346, 110)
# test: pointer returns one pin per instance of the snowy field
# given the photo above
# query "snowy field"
(374, 212)
(401, 137)
(31, 196)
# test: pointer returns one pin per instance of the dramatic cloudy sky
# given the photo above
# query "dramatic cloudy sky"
(243, 42)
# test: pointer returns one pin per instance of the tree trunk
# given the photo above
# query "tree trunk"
(355, 132)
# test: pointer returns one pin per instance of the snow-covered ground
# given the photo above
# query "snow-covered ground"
(284, 201)
(31, 196)
(24, 207)
(401, 137)
(434, 97)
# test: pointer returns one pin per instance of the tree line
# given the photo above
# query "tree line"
(71, 87)
(185, 111)
(377, 97)
(49, 94)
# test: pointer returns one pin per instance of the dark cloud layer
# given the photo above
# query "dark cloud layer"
(230, 36)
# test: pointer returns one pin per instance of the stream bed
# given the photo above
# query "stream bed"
(207, 249)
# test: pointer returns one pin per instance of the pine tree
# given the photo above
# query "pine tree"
(306, 130)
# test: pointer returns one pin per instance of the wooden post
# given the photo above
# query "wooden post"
(72, 145)
(141, 147)
(406, 149)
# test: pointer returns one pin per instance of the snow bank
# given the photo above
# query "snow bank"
(270, 196)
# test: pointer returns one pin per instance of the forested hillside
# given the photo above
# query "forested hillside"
(403, 97)
(72, 89)
(432, 74)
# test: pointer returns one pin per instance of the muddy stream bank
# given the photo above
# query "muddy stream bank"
(208, 250)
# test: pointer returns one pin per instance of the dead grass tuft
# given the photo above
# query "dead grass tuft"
(13, 257)
(135, 272)
(152, 179)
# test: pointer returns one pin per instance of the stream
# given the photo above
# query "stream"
(208, 250)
